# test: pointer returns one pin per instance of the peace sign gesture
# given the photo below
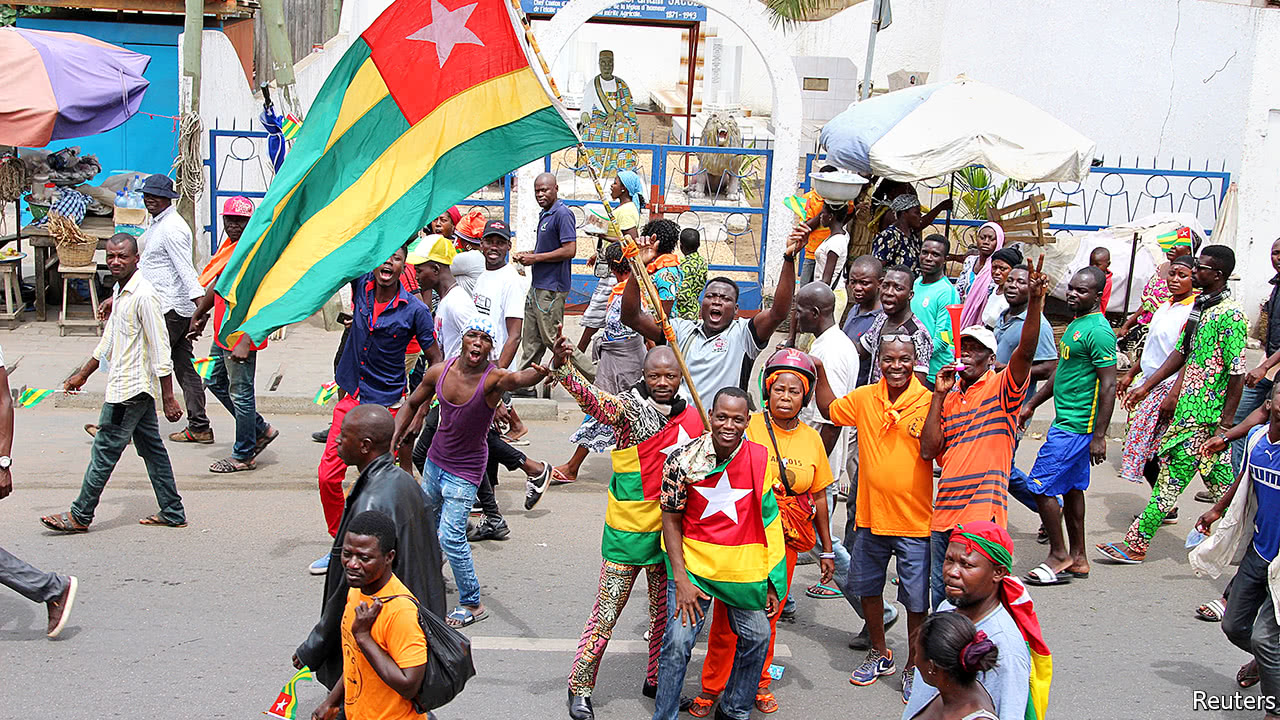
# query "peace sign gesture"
(1038, 281)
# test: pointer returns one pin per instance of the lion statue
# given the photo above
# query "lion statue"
(716, 178)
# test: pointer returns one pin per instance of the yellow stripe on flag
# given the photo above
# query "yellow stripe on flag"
(626, 460)
(633, 515)
(504, 100)
(726, 563)
(367, 89)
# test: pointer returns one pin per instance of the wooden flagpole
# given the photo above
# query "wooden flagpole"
(630, 249)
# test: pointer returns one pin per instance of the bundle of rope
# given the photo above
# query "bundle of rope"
(75, 249)
(15, 178)
(189, 170)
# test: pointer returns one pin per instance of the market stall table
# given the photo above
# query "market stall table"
(38, 238)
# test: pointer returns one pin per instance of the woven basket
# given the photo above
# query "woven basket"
(75, 249)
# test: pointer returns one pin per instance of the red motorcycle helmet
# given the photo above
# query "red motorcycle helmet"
(792, 360)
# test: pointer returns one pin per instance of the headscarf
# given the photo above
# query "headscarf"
(480, 323)
(1010, 256)
(467, 268)
(904, 202)
(993, 542)
(980, 289)
(773, 376)
(454, 214)
(631, 181)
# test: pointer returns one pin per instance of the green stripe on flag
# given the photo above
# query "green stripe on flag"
(626, 486)
(631, 548)
(456, 174)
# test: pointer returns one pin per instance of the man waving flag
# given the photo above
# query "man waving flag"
(435, 100)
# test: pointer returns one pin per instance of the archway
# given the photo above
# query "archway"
(749, 17)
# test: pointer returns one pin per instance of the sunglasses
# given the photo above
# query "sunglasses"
(898, 337)
(1202, 266)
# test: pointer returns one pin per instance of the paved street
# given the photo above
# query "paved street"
(200, 622)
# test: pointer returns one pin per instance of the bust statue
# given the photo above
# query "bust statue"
(608, 115)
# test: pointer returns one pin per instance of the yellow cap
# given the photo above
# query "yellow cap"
(432, 248)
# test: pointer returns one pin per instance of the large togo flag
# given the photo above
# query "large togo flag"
(432, 102)
(633, 519)
(733, 543)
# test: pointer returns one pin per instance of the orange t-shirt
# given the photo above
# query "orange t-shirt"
(977, 453)
(802, 452)
(813, 203)
(895, 486)
(395, 630)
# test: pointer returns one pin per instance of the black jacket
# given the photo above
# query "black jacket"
(383, 486)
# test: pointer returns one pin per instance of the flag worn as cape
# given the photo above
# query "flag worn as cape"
(733, 543)
(1016, 599)
(433, 101)
(633, 519)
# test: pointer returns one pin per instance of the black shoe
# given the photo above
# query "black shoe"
(649, 691)
(534, 487)
(580, 708)
(320, 436)
(720, 714)
(489, 530)
(686, 702)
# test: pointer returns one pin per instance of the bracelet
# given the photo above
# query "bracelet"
(788, 257)
(827, 556)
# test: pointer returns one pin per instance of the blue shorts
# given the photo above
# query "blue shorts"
(869, 566)
(1062, 464)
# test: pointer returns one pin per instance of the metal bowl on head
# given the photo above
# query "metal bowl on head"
(838, 186)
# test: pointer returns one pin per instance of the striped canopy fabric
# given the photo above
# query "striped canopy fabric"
(63, 85)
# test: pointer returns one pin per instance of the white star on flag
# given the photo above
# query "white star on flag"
(447, 29)
(281, 705)
(722, 498)
(678, 443)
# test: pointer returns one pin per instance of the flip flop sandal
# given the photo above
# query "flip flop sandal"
(521, 442)
(1042, 536)
(265, 440)
(1077, 574)
(1043, 576)
(462, 617)
(699, 706)
(157, 521)
(559, 478)
(766, 703)
(1249, 674)
(63, 523)
(823, 592)
(231, 465)
(1120, 553)
(1211, 611)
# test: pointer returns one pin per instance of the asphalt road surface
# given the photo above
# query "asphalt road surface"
(201, 622)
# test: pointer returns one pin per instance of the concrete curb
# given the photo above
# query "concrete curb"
(270, 403)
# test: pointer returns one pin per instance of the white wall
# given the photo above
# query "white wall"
(1259, 176)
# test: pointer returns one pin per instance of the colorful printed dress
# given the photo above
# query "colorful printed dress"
(895, 247)
(693, 277)
(613, 120)
(1217, 353)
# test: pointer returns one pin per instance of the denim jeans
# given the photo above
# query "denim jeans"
(184, 373)
(31, 583)
(450, 498)
(938, 542)
(739, 697)
(134, 419)
(1250, 621)
(232, 383)
(1251, 399)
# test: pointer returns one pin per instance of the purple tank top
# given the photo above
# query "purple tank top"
(460, 445)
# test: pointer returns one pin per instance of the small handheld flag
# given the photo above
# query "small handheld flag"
(796, 204)
(291, 126)
(33, 397)
(286, 704)
(954, 311)
(326, 393)
(203, 366)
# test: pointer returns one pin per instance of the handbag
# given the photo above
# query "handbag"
(796, 509)
(449, 664)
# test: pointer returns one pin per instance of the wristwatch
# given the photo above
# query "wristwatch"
(5, 462)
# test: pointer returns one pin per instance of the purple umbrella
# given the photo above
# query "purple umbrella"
(59, 85)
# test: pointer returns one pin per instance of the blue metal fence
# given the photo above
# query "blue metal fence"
(1109, 196)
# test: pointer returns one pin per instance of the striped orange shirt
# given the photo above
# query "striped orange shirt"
(978, 436)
